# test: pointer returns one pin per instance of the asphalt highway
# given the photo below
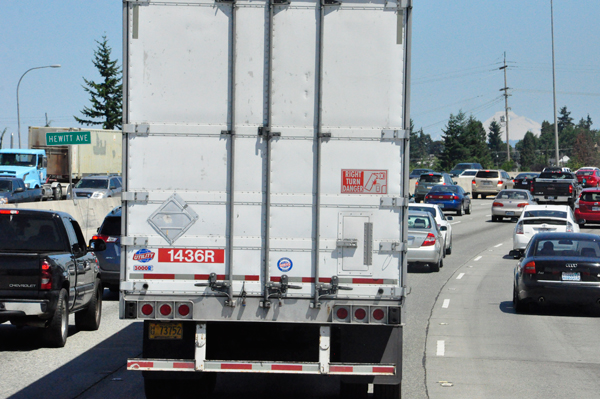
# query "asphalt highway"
(462, 339)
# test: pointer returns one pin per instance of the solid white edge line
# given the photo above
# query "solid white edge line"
(441, 349)
(460, 276)
(446, 303)
(477, 258)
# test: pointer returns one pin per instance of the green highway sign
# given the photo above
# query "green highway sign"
(68, 138)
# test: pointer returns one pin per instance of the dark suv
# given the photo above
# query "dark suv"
(427, 180)
(110, 259)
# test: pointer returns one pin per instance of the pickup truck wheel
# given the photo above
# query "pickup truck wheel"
(57, 330)
(89, 318)
(386, 391)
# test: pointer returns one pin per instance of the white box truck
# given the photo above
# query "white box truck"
(265, 154)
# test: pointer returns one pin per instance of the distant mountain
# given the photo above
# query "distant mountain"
(518, 126)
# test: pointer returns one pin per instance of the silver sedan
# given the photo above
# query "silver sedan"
(510, 204)
(425, 241)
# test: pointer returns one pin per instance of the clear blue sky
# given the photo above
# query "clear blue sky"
(457, 49)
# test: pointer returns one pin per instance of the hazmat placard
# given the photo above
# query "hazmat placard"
(364, 181)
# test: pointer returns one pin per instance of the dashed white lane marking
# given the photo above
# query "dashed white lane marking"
(440, 348)
(477, 258)
(460, 276)
(487, 215)
(496, 246)
(455, 222)
(446, 303)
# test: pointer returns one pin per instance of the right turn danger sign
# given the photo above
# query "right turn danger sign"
(364, 181)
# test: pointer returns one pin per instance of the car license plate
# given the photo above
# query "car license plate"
(549, 197)
(571, 276)
(595, 208)
(165, 330)
(510, 213)
(487, 183)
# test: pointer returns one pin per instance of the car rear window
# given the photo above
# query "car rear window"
(585, 173)
(30, 232)
(469, 173)
(539, 221)
(590, 197)
(511, 195)
(111, 226)
(546, 214)
(570, 247)
(526, 176)
(444, 189)
(487, 174)
(423, 209)
(418, 222)
(431, 178)
(556, 175)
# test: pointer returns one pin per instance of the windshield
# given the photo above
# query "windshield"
(545, 213)
(556, 175)
(27, 232)
(570, 247)
(430, 178)
(92, 183)
(5, 185)
(487, 174)
(440, 188)
(419, 222)
(469, 173)
(111, 226)
(17, 160)
(423, 209)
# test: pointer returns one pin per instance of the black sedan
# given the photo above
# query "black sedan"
(558, 268)
(524, 180)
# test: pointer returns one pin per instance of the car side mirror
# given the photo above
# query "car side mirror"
(97, 245)
(455, 183)
(581, 222)
(449, 217)
(444, 228)
(19, 190)
(515, 253)
(467, 193)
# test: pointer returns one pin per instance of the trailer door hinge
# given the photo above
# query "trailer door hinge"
(278, 290)
(266, 133)
(394, 135)
(393, 246)
(393, 202)
(136, 130)
(135, 196)
(135, 241)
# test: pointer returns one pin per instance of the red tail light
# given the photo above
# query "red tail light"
(46, 280)
(183, 310)
(416, 183)
(360, 314)
(497, 204)
(8, 212)
(147, 309)
(430, 240)
(529, 268)
(165, 310)
(473, 182)
(342, 313)
(378, 314)
(531, 186)
(522, 205)
(570, 189)
(104, 238)
(500, 182)
(519, 229)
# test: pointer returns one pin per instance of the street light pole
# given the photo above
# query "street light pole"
(554, 82)
(18, 84)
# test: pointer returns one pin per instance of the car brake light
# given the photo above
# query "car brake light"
(529, 268)
(8, 212)
(570, 189)
(569, 227)
(416, 183)
(429, 241)
(497, 204)
(46, 279)
(105, 238)
(473, 182)
(500, 182)
(522, 205)
(531, 186)
(519, 229)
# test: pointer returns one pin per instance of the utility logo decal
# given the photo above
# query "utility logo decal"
(285, 264)
(143, 255)
(360, 181)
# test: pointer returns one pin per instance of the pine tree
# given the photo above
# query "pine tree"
(106, 97)
(528, 151)
(564, 120)
(475, 139)
(495, 143)
(454, 150)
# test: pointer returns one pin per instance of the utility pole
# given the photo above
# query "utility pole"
(554, 83)
(505, 89)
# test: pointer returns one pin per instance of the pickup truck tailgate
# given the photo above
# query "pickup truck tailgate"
(19, 271)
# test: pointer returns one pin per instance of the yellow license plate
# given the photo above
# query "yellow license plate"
(165, 331)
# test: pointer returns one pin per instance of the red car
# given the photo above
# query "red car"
(587, 206)
(591, 176)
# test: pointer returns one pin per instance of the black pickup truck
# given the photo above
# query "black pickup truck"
(13, 190)
(556, 187)
(48, 272)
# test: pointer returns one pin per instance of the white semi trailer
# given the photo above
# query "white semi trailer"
(265, 151)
